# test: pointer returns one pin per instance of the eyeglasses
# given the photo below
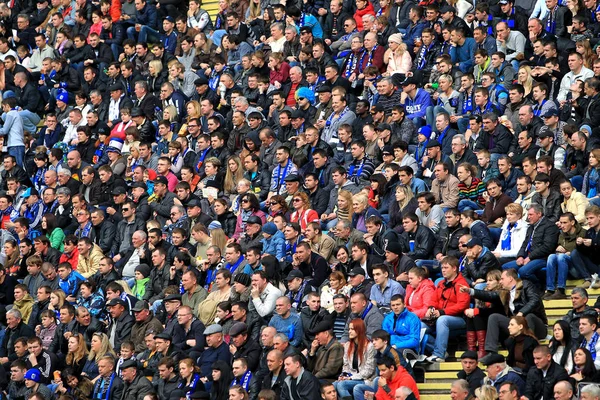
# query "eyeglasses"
(192, 126)
(173, 214)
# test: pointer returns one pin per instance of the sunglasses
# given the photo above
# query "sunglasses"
(301, 98)
(296, 200)
(245, 201)
(273, 203)
(125, 209)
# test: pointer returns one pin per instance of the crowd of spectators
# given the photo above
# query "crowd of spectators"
(298, 201)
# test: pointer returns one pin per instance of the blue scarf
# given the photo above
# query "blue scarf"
(233, 267)
(85, 232)
(592, 183)
(101, 391)
(244, 381)
(505, 243)
(592, 345)
(296, 299)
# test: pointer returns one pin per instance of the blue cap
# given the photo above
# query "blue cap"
(553, 112)
(62, 96)
(33, 374)
(425, 130)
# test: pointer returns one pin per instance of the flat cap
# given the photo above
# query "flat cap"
(140, 306)
(238, 329)
(115, 302)
(129, 364)
(214, 328)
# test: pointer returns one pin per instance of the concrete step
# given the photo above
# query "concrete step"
(434, 396)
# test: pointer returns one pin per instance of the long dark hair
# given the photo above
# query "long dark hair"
(220, 388)
(567, 342)
(273, 269)
(589, 369)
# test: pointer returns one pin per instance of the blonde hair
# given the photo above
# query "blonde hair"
(105, 348)
(408, 195)
(528, 83)
(80, 352)
(158, 67)
(62, 297)
(486, 392)
(218, 238)
(232, 178)
(514, 208)
(361, 198)
(172, 113)
(197, 112)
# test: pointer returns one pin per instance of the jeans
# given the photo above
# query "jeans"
(148, 34)
(359, 390)
(583, 265)
(497, 329)
(595, 201)
(344, 388)
(577, 182)
(432, 112)
(217, 36)
(560, 263)
(528, 270)
(432, 265)
(466, 204)
(445, 326)
(18, 152)
(463, 124)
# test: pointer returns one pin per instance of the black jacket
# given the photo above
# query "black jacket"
(529, 343)
(479, 268)
(475, 378)
(138, 389)
(527, 300)
(538, 386)
(544, 240)
(423, 246)
(447, 242)
(552, 210)
(251, 352)
(116, 390)
(307, 387)
(103, 235)
(8, 341)
(267, 383)
(123, 330)
(29, 98)
(495, 142)
(562, 20)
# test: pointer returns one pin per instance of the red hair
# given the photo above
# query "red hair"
(361, 339)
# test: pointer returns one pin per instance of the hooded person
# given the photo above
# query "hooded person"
(273, 241)
(142, 276)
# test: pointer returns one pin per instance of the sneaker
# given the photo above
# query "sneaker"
(548, 295)
(596, 285)
(433, 359)
(586, 284)
(558, 295)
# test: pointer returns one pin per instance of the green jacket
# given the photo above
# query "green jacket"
(569, 241)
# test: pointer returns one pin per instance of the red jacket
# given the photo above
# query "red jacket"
(72, 258)
(359, 14)
(420, 299)
(450, 301)
(402, 378)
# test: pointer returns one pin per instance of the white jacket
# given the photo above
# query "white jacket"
(517, 238)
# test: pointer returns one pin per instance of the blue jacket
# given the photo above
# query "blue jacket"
(210, 355)
(464, 55)
(71, 285)
(405, 331)
(275, 245)
(291, 326)
(416, 108)
(148, 16)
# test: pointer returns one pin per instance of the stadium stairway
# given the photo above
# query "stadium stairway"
(212, 7)
(434, 380)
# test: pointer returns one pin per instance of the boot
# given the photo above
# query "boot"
(472, 340)
(481, 344)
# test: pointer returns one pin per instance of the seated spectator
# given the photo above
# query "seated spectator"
(384, 288)
(403, 326)
(520, 344)
(512, 235)
(500, 374)
(417, 241)
(480, 261)
(477, 228)
(326, 354)
(430, 214)
(541, 379)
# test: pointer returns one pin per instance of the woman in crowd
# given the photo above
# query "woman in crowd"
(574, 202)
(249, 207)
(57, 300)
(277, 206)
(359, 360)
(53, 232)
(155, 77)
(303, 214)
(525, 79)
(376, 189)
(233, 175)
(337, 284)
(77, 353)
(470, 188)
(11, 253)
(237, 392)
(342, 255)
(222, 378)
(224, 317)
(584, 369)
(117, 162)
(362, 211)
(591, 179)
(190, 176)
(212, 169)
(99, 347)
(469, 219)
(76, 386)
(512, 236)
(397, 57)
(405, 203)
(190, 379)
(486, 392)
(170, 114)
(561, 345)
(520, 344)
(477, 317)
(47, 329)
(225, 217)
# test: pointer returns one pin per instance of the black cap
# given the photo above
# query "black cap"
(119, 190)
(139, 185)
(161, 179)
(173, 297)
(140, 306)
(237, 329)
(194, 203)
(446, 9)
(176, 394)
(295, 273)
(297, 114)
(115, 87)
(383, 127)
(293, 178)
(116, 301)
(322, 326)
(553, 112)
(470, 354)
(253, 219)
(306, 28)
(379, 108)
(164, 336)
(387, 149)
(129, 364)
(494, 358)
(433, 143)
(137, 112)
(201, 395)
(357, 271)
(411, 80)
(545, 133)
(201, 81)
(393, 247)
(324, 89)
(474, 242)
